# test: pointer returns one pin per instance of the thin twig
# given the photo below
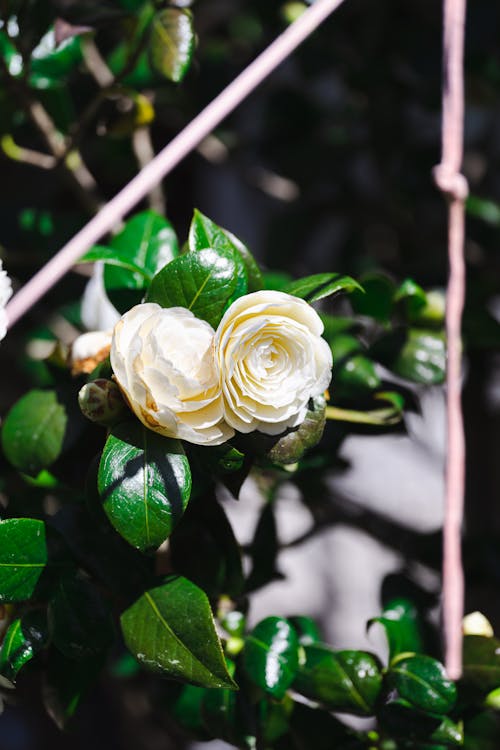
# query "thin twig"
(170, 156)
(144, 153)
(454, 186)
(70, 166)
(142, 144)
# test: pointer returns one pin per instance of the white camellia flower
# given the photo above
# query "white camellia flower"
(272, 360)
(163, 362)
(5, 295)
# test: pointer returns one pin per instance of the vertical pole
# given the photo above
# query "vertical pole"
(454, 187)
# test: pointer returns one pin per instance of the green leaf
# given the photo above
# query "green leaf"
(355, 373)
(80, 621)
(422, 681)
(147, 242)
(204, 233)
(377, 299)
(401, 720)
(145, 482)
(23, 557)
(172, 43)
(412, 296)
(481, 662)
(24, 638)
(203, 282)
(400, 622)
(111, 258)
(487, 210)
(171, 630)
(271, 655)
(321, 285)
(347, 681)
(33, 431)
(417, 354)
(307, 629)
(50, 63)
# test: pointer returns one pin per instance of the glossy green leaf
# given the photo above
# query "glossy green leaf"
(148, 242)
(111, 258)
(347, 681)
(24, 638)
(204, 233)
(307, 629)
(171, 630)
(271, 655)
(203, 282)
(145, 482)
(412, 296)
(417, 354)
(33, 431)
(400, 622)
(422, 681)
(172, 43)
(401, 720)
(50, 62)
(356, 373)
(23, 557)
(321, 285)
(80, 621)
(377, 300)
(234, 623)
(481, 662)
(352, 369)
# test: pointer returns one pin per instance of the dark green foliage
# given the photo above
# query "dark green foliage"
(170, 630)
(144, 483)
(271, 655)
(23, 557)
(203, 282)
(33, 431)
(348, 681)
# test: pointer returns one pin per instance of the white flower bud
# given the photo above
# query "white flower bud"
(88, 350)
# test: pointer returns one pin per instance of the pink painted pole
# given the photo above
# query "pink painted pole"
(169, 157)
(454, 186)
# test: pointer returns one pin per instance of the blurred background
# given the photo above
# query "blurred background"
(327, 167)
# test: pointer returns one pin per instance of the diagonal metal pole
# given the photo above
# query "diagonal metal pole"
(170, 157)
(454, 186)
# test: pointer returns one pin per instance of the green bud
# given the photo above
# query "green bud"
(290, 447)
(101, 401)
